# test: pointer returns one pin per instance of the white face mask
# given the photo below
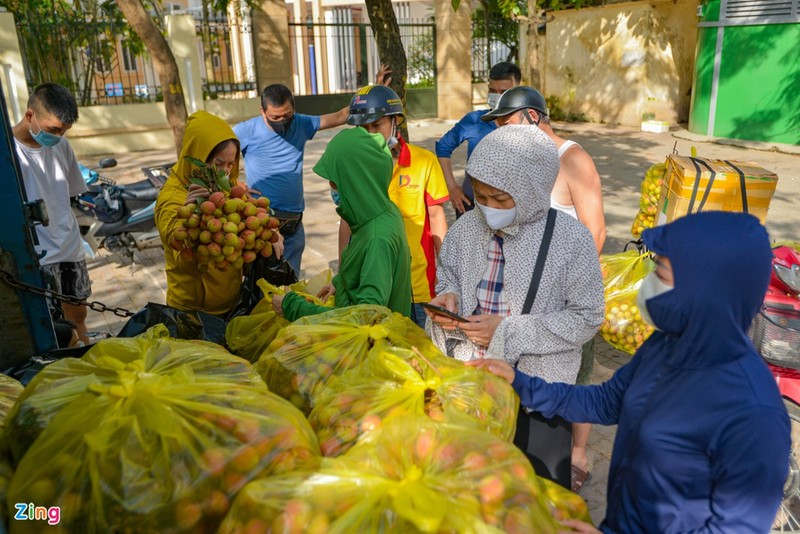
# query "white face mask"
(493, 100)
(651, 287)
(498, 218)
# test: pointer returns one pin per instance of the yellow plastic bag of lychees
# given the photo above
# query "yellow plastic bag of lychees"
(622, 276)
(141, 436)
(10, 391)
(563, 503)
(106, 365)
(307, 289)
(393, 382)
(307, 353)
(412, 475)
(650, 200)
(248, 336)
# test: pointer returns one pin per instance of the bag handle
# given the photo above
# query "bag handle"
(538, 268)
(742, 185)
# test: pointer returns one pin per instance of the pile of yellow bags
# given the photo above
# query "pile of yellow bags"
(249, 336)
(411, 475)
(149, 434)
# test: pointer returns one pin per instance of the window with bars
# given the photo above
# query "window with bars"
(128, 59)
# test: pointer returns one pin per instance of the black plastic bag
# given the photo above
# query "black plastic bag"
(25, 371)
(181, 324)
(277, 272)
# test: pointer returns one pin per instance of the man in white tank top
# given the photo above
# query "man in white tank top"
(577, 192)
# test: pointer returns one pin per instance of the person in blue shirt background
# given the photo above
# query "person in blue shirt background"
(470, 128)
(703, 438)
(273, 145)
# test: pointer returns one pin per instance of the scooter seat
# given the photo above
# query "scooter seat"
(140, 191)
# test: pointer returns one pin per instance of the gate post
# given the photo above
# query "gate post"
(271, 44)
(182, 39)
(453, 59)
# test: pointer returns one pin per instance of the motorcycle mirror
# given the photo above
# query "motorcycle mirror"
(106, 163)
(790, 276)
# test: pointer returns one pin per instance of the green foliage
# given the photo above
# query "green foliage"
(510, 8)
(208, 176)
(421, 61)
(554, 107)
(557, 113)
(68, 43)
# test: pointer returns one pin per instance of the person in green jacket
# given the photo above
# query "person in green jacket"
(376, 264)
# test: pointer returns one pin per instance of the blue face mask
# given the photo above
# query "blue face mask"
(337, 199)
(44, 138)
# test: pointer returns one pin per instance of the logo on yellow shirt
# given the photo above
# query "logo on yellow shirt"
(405, 181)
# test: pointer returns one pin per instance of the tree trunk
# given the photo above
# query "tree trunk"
(390, 47)
(532, 67)
(164, 62)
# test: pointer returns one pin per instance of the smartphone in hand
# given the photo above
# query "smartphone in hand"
(443, 311)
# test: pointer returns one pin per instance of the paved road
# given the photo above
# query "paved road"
(622, 155)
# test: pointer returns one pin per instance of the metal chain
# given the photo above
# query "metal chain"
(94, 305)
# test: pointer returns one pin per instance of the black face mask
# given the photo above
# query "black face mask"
(281, 127)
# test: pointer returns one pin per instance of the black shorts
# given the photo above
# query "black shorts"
(67, 278)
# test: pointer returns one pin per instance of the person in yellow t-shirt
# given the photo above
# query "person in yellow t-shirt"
(418, 188)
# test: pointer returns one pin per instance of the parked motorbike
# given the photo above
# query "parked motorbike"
(776, 334)
(119, 218)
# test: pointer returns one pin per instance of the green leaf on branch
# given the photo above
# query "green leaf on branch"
(195, 161)
(224, 184)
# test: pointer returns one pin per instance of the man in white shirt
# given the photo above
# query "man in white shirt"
(50, 172)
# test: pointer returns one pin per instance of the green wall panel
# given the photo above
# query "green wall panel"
(759, 84)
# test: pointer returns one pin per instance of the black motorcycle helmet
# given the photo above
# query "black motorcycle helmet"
(371, 103)
(515, 99)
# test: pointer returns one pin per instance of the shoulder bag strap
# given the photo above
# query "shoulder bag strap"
(538, 269)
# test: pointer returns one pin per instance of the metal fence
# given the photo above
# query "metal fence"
(499, 43)
(98, 59)
(340, 55)
(227, 59)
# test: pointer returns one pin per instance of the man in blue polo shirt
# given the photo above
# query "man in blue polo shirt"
(472, 129)
(273, 145)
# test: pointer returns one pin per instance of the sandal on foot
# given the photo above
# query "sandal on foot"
(579, 478)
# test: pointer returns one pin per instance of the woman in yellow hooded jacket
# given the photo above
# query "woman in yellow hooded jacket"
(210, 139)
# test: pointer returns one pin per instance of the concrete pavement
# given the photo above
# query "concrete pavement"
(622, 156)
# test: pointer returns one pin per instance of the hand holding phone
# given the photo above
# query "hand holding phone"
(443, 311)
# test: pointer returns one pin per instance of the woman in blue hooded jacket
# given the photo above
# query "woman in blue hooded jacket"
(703, 438)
